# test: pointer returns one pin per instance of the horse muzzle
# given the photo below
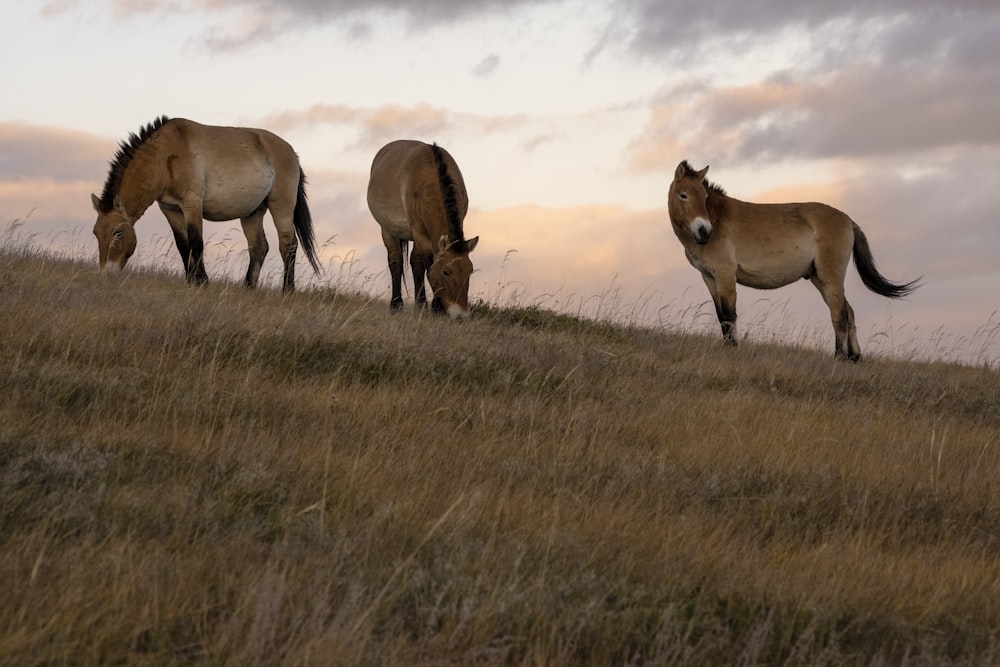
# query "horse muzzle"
(701, 230)
(453, 310)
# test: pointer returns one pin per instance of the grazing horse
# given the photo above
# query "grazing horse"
(416, 193)
(771, 245)
(195, 172)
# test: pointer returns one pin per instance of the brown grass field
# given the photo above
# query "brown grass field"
(217, 476)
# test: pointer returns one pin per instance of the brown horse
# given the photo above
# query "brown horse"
(195, 172)
(771, 245)
(416, 193)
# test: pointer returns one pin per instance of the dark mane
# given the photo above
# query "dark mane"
(455, 233)
(714, 188)
(126, 151)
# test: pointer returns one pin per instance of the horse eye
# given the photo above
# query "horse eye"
(682, 195)
(447, 273)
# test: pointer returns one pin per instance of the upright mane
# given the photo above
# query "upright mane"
(126, 151)
(455, 233)
(714, 188)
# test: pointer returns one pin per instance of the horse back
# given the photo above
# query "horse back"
(234, 168)
(772, 245)
(238, 148)
(778, 224)
(404, 190)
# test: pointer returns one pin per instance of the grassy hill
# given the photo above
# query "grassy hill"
(221, 476)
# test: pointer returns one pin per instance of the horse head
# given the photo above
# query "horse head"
(688, 204)
(115, 234)
(449, 277)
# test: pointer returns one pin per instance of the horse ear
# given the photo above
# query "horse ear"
(472, 243)
(701, 174)
(96, 202)
(119, 205)
(681, 171)
(443, 243)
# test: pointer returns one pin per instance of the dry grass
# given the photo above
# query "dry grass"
(219, 476)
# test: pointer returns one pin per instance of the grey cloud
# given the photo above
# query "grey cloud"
(892, 77)
(361, 17)
(233, 24)
(871, 112)
(941, 224)
(487, 65)
(859, 109)
(425, 11)
(673, 25)
(35, 152)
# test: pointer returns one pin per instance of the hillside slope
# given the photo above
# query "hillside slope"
(221, 476)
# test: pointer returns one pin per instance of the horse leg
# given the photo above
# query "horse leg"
(420, 261)
(196, 260)
(176, 221)
(253, 229)
(724, 297)
(186, 241)
(853, 348)
(287, 243)
(842, 316)
(394, 250)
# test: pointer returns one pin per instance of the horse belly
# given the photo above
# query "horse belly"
(228, 198)
(391, 216)
(773, 271)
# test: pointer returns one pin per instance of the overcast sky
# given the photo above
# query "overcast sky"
(567, 119)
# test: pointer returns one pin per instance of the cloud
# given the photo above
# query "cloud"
(858, 111)
(46, 177)
(376, 123)
(585, 245)
(857, 79)
(425, 12)
(233, 24)
(49, 204)
(866, 111)
(907, 27)
(32, 151)
(487, 65)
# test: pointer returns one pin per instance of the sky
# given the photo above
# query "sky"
(567, 120)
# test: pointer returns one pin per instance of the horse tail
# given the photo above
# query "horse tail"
(873, 280)
(450, 199)
(303, 223)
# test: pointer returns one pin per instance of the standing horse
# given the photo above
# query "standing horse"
(771, 245)
(416, 193)
(195, 172)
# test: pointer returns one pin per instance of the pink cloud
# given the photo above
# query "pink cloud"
(376, 123)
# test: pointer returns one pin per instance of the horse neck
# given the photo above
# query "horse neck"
(433, 217)
(715, 204)
(143, 181)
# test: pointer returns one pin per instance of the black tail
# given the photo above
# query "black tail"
(873, 280)
(455, 232)
(303, 223)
